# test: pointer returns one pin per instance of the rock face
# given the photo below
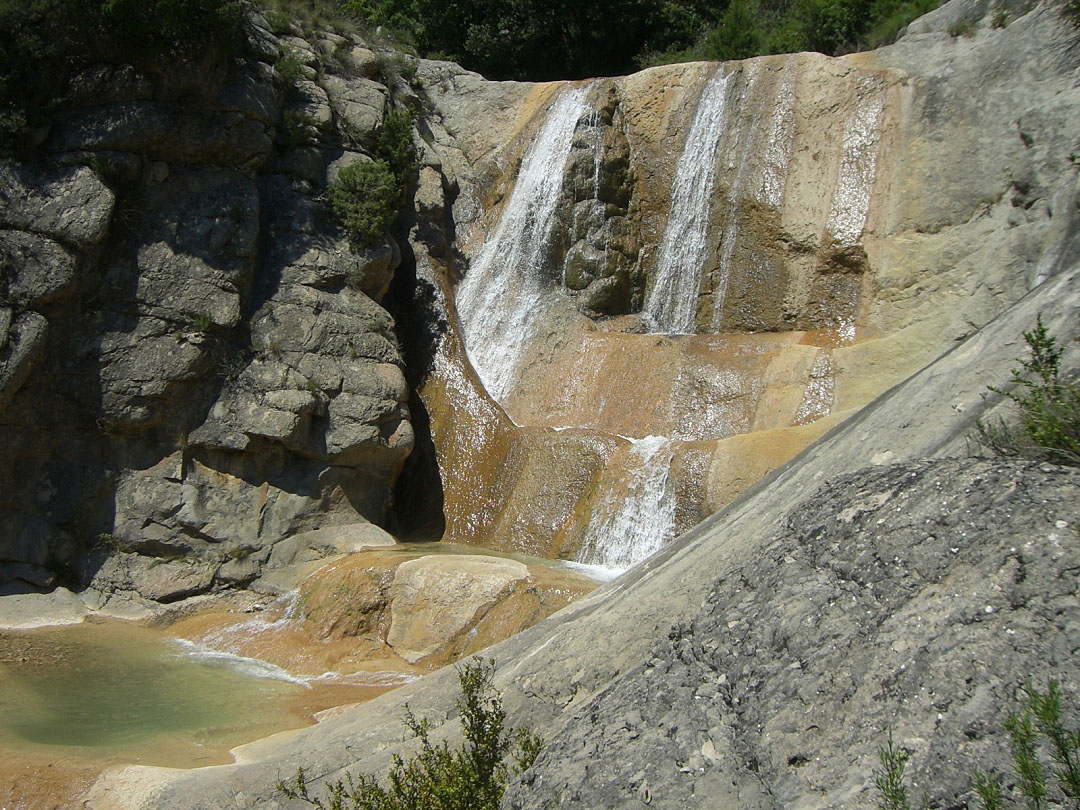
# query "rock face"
(389, 610)
(736, 258)
(752, 655)
(194, 364)
(912, 599)
(732, 259)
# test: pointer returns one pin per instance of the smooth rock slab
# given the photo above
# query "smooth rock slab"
(331, 540)
(25, 611)
(435, 598)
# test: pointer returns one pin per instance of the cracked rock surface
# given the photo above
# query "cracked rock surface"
(912, 598)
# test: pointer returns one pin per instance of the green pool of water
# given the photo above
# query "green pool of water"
(119, 690)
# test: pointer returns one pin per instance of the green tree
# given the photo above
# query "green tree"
(1047, 422)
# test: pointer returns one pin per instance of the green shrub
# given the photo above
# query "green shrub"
(289, 68)
(41, 41)
(364, 200)
(167, 27)
(962, 28)
(1072, 12)
(1038, 726)
(737, 35)
(889, 778)
(300, 128)
(471, 777)
(394, 143)
(887, 17)
(1047, 424)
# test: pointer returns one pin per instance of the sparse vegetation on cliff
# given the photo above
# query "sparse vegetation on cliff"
(364, 200)
(43, 41)
(1038, 726)
(471, 777)
(1047, 421)
(365, 197)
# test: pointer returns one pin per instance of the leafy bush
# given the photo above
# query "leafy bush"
(1039, 724)
(364, 200)
(889, 778)
(300, 128)
(289, 67)
(1048, 407)
(472, 777)
(365, 197)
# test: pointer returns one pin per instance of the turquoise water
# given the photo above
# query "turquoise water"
(111, 689)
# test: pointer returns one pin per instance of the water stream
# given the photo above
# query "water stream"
(858, 165)
(502, 297)
(636, 521)
(671, 303)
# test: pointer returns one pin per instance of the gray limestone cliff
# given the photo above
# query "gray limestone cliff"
(882, 579)
(194, 363)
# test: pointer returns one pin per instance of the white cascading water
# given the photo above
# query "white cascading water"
(672, 301)
(643, 519)
(781, 140)
(858, 165)
(503, 295)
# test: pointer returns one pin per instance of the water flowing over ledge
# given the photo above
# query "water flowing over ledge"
(672, 301)
(503, 295)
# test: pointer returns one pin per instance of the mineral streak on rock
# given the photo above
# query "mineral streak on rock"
(855, 181)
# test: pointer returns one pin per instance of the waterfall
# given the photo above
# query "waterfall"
(502, 297)
(672, 301)
(639, 523)
(855, 179)
(781, 140)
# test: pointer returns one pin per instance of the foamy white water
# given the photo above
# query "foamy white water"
(858, 165)
(503, 296)
(671, 303)
(642, 519)
(252, 667)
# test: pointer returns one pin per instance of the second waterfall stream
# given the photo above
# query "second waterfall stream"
(637, 311)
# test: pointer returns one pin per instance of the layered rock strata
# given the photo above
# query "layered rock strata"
(194, 363)
(666, 683)
(847, 234)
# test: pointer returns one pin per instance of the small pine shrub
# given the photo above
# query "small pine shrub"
(1038, 726)
(289, 68)
(300, 128)
(1048, 418)
(1072, 12)
(962, 28)
(889, 778)
(472, 777)
(364, 200)
(394, 143)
